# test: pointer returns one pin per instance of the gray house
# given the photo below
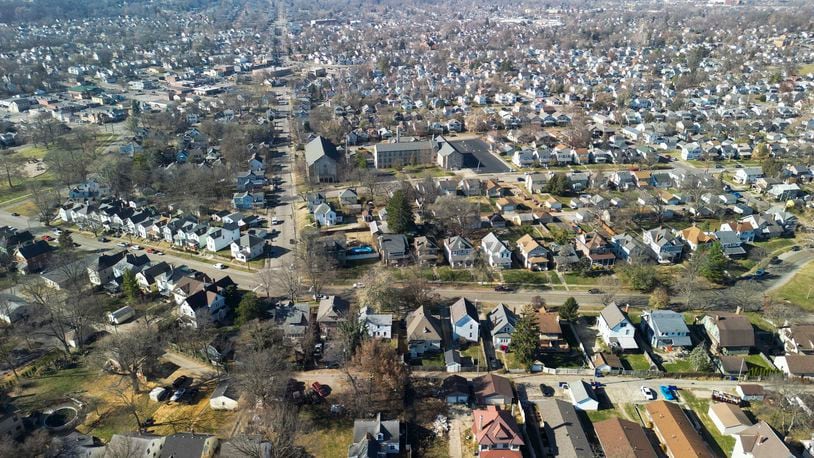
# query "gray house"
(375, 438)
(665, 328)
(423, 332)
(459, 252)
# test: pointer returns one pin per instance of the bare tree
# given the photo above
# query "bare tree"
(314, 260)
(283, 279)
(456, 214)
(131, 354)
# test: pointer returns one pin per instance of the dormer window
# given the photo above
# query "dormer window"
(380, 436)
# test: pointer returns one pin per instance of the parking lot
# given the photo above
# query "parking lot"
(477, 157)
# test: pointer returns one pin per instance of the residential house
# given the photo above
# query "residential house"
(455, 362)
(748, 175)
(379, 325)
(551, 337)
(324, 215)
(665, 329)
(533, 255)
(220, 238)
(731, 244)
(496, 429)
(321, 160)
(596, 248)
(348, 197)
(615, 329)
(760, 441)
(248, 247)
(491, 389)
(798, 338)
(563, 430)
(33, 257)
(375, 437)
(394, 248)
(248, 200)
(801, 366)
(674, 430)
(503, 321)
(249, 181)
(224, 397)
(750, 392)
(135, 444)
(459, 252)
(582, 396)
(496, 253)
(728, 418)
(666, 248)
(695, 237)
(332, 311)
(629, 249)
(426, 251)
(146, 277)
(744, 230)
(471, 187)
(729, 334)
(423, 332)
(523, 158)
(464, 319)
(621, 438)
(188, 445)
(565, 257)
(11, 239)
(11, 424)
(100, 272)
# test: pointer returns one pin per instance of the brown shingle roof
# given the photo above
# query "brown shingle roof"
(490, 385)
(676, 431)
(623, 439)
(735, 330)
(549, 322)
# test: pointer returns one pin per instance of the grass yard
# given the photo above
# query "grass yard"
(577, 279)
(678, 366)
(600, 415)
(510, 360)
(775, 244)
(701, 406)
(631, 412)
(806, 69)
(474, 352)
(434, 360)
(637, 362)
(526, 277)
(558, 359)
(756, 361)
(330, 437)
(799, 289)
(38, 392)
(454, 275)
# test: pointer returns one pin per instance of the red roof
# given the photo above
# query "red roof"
(493, 426)
(500, 454)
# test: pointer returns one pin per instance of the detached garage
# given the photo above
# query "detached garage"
(223, 398)
(455, 390)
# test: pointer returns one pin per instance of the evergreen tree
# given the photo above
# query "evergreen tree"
(65, 241)
(399, 213)
(526, 336)
(699, 359)
(713, 267)
(248, 309)
(569, 311)
(130, 285)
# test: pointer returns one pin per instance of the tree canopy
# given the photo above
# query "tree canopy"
(399, 213)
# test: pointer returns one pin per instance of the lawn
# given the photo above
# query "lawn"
(775, 244)
(474, 352)
(38, 392)
(799, 289)
(577, 279)
(526, 277)
(454, 275)
(701, 406)
(330, 437)
(510, 360)
(600, 415)
(757, 362)
(679, 366)
(434, 360)
(637, 362)
(558, 359)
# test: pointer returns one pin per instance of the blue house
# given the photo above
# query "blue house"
(247, 200)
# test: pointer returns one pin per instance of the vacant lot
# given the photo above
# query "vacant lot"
(799, 289)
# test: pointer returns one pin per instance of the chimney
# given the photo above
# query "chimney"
(480, 423)
(738, 310)
(627, 307)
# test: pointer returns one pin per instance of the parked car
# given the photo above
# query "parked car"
(121, 245)
(649, 393)
(274, 221)
(320, 389)
(15, 214)
(103, 239)
(760, 273)
(595, 291)
(219, 266)
(795, 248)
(546, 390)
(180, 381)
(47, 238)
(775, 260)
(503, 288)
(667, 392)
(178, 395)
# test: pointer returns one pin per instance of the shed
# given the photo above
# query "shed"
(728, 418)
(121, 315)
(750, 392)
(583, 396)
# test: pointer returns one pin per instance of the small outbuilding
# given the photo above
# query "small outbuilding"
(223, 397)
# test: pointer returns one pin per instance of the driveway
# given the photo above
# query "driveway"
(455, 438)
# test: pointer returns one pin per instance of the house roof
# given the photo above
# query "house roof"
(729, 415)
(390, 429)
(676, 431)
(501, 316)
(612, 315)
(564, 429)
(667, 322)
(609, 359)
(760, 441)
(225, 389)
(462, 307)
(495, 427)
(423, 326)
(800, 364)
(454, 385)
(184, 445)
(490, 385)
(331, 309)
(695, 235)
(734, 330)
(35, 249)
(623, 439)
(549, 322)
(803, 335)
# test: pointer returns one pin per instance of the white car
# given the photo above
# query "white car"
(649, 393)
(121, 244)
(274, 221)
(219, 266)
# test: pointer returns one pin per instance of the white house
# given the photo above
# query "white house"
(760, 440)
(748, 175)
(497, 254)
(523, 158)
(247, 248)
(464, 319)
(378, 325)
(219, 238)
(503, 322)
(615, 329)
(223, 397)
(324, 215)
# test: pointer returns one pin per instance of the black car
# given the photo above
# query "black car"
(775, 260)
(546, 390)
(595, 291)
(503, 288)
(795, 248)
(179, 382)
